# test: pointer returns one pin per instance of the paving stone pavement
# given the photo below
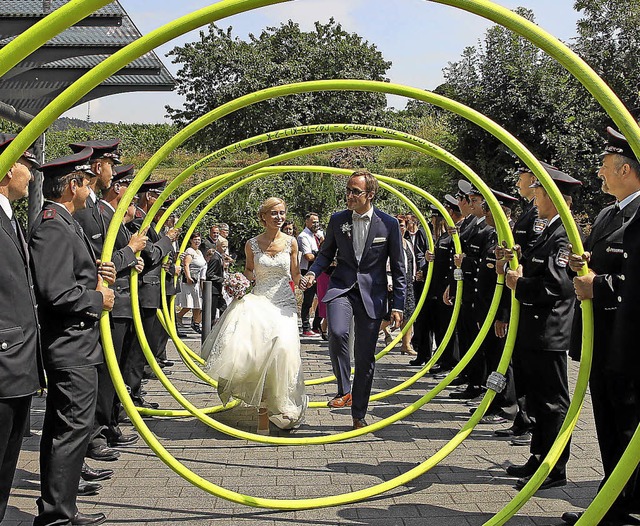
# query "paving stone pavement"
(465, 489)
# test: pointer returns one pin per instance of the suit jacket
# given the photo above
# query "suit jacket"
(215, 273)
(124, 260)
(370, 275)
(20, 357)
(65, 278)
(149, 291)
(546, 294)
(93, 224)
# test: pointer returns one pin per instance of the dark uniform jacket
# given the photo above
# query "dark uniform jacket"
(605, 245)
(546, 294)
(523, 232)
(442, 266)
(92, 222)
(124, 260)
(524, 235)
(625, 356)
(474, 245)
(486, 277)
(149, 292)
(65, 277)
(20, 358)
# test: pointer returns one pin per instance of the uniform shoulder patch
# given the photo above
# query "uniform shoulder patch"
(562, 257)
(49, 213)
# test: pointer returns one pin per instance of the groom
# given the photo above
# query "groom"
(364, 239)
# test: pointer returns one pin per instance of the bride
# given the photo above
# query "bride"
(254, 349)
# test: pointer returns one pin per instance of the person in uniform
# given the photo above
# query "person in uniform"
(474, 242)
(442, 275)
(149, 291)
(545, 292)
(71, 298)
(526, 230)
(21, 371)
(503, 406)
(105, 157)
(124, 258)
(422, 339)
(614, 389)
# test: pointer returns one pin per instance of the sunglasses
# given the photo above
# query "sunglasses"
(355, 192)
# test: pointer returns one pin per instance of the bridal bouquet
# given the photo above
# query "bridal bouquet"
(236, 285)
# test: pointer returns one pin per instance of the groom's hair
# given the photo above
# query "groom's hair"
(370, 182)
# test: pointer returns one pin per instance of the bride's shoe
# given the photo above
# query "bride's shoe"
(263, 422)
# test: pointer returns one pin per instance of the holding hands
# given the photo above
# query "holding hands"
(307, 281)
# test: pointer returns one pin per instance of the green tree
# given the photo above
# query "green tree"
(220, 67)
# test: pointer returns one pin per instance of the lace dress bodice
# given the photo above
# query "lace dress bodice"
(273, 274)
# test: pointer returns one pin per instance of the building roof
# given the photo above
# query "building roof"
(37, 80)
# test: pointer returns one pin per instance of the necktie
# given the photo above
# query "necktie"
(14, 225)
(360, 224)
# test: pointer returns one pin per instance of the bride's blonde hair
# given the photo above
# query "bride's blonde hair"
(267, 205)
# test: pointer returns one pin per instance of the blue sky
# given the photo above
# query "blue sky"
(417, 36)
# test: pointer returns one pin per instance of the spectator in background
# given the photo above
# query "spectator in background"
(308, 243)
(190, 297)
(288, 228)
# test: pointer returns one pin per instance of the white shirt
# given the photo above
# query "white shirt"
(5, 204)
(628, 199)
(307, 244)
(361, 231)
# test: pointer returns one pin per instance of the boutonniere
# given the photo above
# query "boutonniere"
(346, 229)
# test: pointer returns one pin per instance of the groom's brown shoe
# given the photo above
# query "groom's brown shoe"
(359, 423)
(340, 401)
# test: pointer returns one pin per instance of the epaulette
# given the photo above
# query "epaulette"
(49, 213)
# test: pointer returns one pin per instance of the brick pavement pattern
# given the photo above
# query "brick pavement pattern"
(467, 488)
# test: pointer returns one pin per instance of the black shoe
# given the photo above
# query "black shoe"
(492, 419)
(86, 489)
(469, 393)
(509, 432)
(550, 482)
(88, 519)
(182, 334)
(90, 474)
(418, 362)
(325, 336)
(103, 453)
(138, 401)
(522, 440)
(197, 327)
(123, 440)
(459, 380)
(436, 369)
(166, 363)
(525, 470)
(571, 517)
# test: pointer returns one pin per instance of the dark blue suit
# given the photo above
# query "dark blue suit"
(359, 290)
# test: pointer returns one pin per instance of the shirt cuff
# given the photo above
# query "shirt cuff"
(397, 310)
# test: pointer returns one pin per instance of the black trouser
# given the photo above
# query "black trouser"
(307, 302)
(525, 418)
(443, 314)
(467, 332)
(616, 413)
(68, 419)
(218, 305)
(547, 395)
(424, 326)
(105, 427)
(504, 403)
(14, 415)
(137, 360)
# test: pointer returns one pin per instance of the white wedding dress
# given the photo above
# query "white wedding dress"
(254, 349)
